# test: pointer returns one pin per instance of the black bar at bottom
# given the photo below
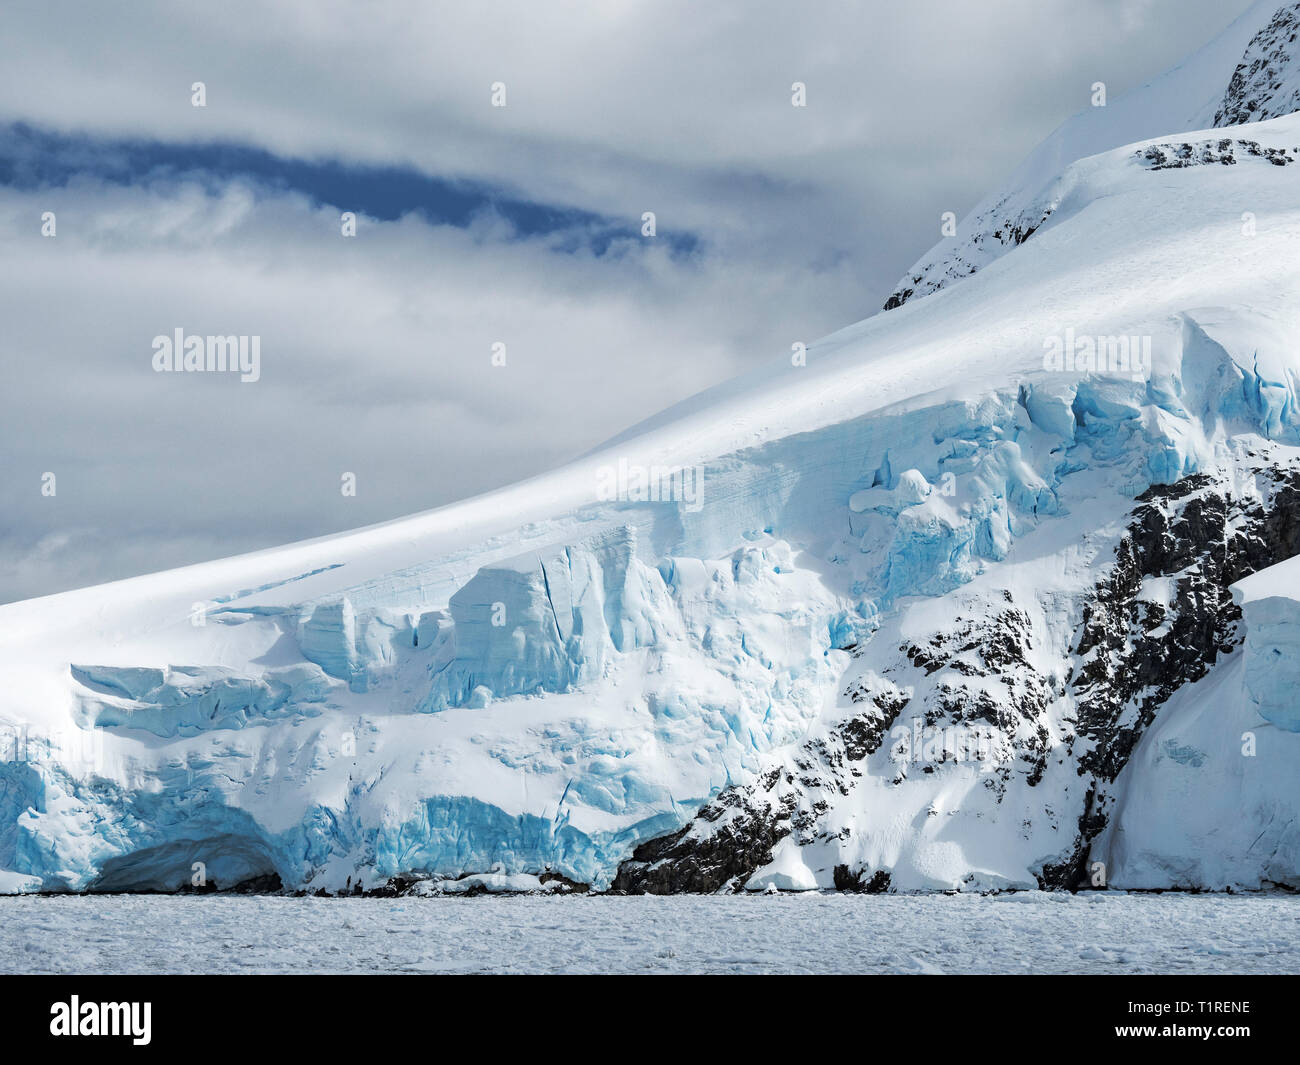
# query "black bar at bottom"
(340, 1015)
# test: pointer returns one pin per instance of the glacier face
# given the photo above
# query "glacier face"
(966, 602)
(938, 590)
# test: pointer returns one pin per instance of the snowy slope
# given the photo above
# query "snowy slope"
(1222, 749)
(1249, 72)
(943, 534)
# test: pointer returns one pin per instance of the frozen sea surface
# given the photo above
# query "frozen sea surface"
(1031, 932)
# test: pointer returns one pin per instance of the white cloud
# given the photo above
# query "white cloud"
(375, 359)
(620, 107)
(375, 350)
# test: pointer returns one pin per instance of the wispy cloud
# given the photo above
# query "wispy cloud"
(476, 225)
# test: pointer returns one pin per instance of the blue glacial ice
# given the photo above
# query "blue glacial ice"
(564, 703)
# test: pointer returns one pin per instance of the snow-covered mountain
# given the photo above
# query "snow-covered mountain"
(995, 591)
(1248, 73)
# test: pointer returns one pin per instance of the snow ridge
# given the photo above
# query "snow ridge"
(1265, 84)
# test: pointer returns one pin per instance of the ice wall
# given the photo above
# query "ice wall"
(1270, 605)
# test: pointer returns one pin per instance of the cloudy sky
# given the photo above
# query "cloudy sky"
(476, 225)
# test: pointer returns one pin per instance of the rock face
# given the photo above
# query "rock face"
(1164, 617)
(1267, 81)
(736, 832)
(976, 242)
(1159, 618)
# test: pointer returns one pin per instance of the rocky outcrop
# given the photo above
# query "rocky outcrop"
(1267, 81)
(735, 833)
(1221, 152)
(1159, 617)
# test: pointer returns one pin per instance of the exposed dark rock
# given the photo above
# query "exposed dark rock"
(563, 884)
(1256, 91)
(742, 837)
(1134, 654)
(1223, 151)
(876, 884)
(267, 884)
(998, 225)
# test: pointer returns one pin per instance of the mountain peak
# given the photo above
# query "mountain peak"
(1257, 65)
(1266, 83)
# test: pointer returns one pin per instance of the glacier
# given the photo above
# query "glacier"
(947, 614)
